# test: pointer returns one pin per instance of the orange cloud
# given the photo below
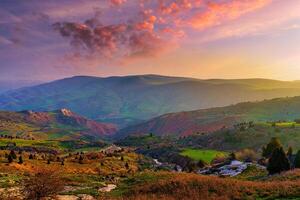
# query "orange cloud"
(117, 2)
(216, 13)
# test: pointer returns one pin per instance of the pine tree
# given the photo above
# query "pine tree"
(278, 162)
(232, 156)
(30, 157)
(80, 160)
(126, 165)
(13, 154)
(10, 158)
(20, 160)
(48, 161)
(62, 162)
(297, 160)
(290, 152)
(273, 144)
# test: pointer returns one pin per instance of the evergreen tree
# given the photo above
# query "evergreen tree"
(201, 164)
(126, 165)
(290, 152)
(10, 158)
(62, 162)
(20, 160)
(232, 156)
(30, 157)
(273, 144)
(278, 162)
(13, 154)
(297, 160)
(80, 160)
(48, 162)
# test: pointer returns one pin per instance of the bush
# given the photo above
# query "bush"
(44, 183)
(247, 155)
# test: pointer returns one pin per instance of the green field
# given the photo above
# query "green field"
(204, 155)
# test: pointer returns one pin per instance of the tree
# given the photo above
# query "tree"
(297, 160)
(10, 158)
(126, 165)
(290, 152)
(48, 162)
(232, 156)
(190, 166)
(81, 159)
(20, 160)
(30, 157)
(44, 183)
(201, 164)
(278, 162)
(273, 144)
(13, 154)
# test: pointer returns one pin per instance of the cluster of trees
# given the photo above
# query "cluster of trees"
(16, 137)
(13, 156)
(278, 159)
(244, 125)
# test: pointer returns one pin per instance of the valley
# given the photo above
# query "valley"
(149, 100)
(168, 156)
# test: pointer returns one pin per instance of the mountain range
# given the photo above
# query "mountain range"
(132, 100)
(6, 85)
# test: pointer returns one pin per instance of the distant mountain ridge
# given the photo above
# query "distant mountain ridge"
(6, 85)
(133, 99)
(210, 120)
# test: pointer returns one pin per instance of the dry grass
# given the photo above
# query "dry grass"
(195, 187)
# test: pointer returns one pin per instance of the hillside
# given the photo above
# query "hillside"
(55, 125)
(133, 99)
(211, 120)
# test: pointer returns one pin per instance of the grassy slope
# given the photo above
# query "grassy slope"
(205, 155)
(210, 120)
(253, 138)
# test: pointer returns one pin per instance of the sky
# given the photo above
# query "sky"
(52, 39)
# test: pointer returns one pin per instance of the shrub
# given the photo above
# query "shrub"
(44, 183)
(247, 155)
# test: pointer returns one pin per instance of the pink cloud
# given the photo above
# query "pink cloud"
(117, 2)
(150, 27)
(216, 13)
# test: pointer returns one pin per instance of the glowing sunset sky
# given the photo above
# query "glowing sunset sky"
(51, 39)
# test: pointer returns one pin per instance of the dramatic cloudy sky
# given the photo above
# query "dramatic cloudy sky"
(51, 39)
